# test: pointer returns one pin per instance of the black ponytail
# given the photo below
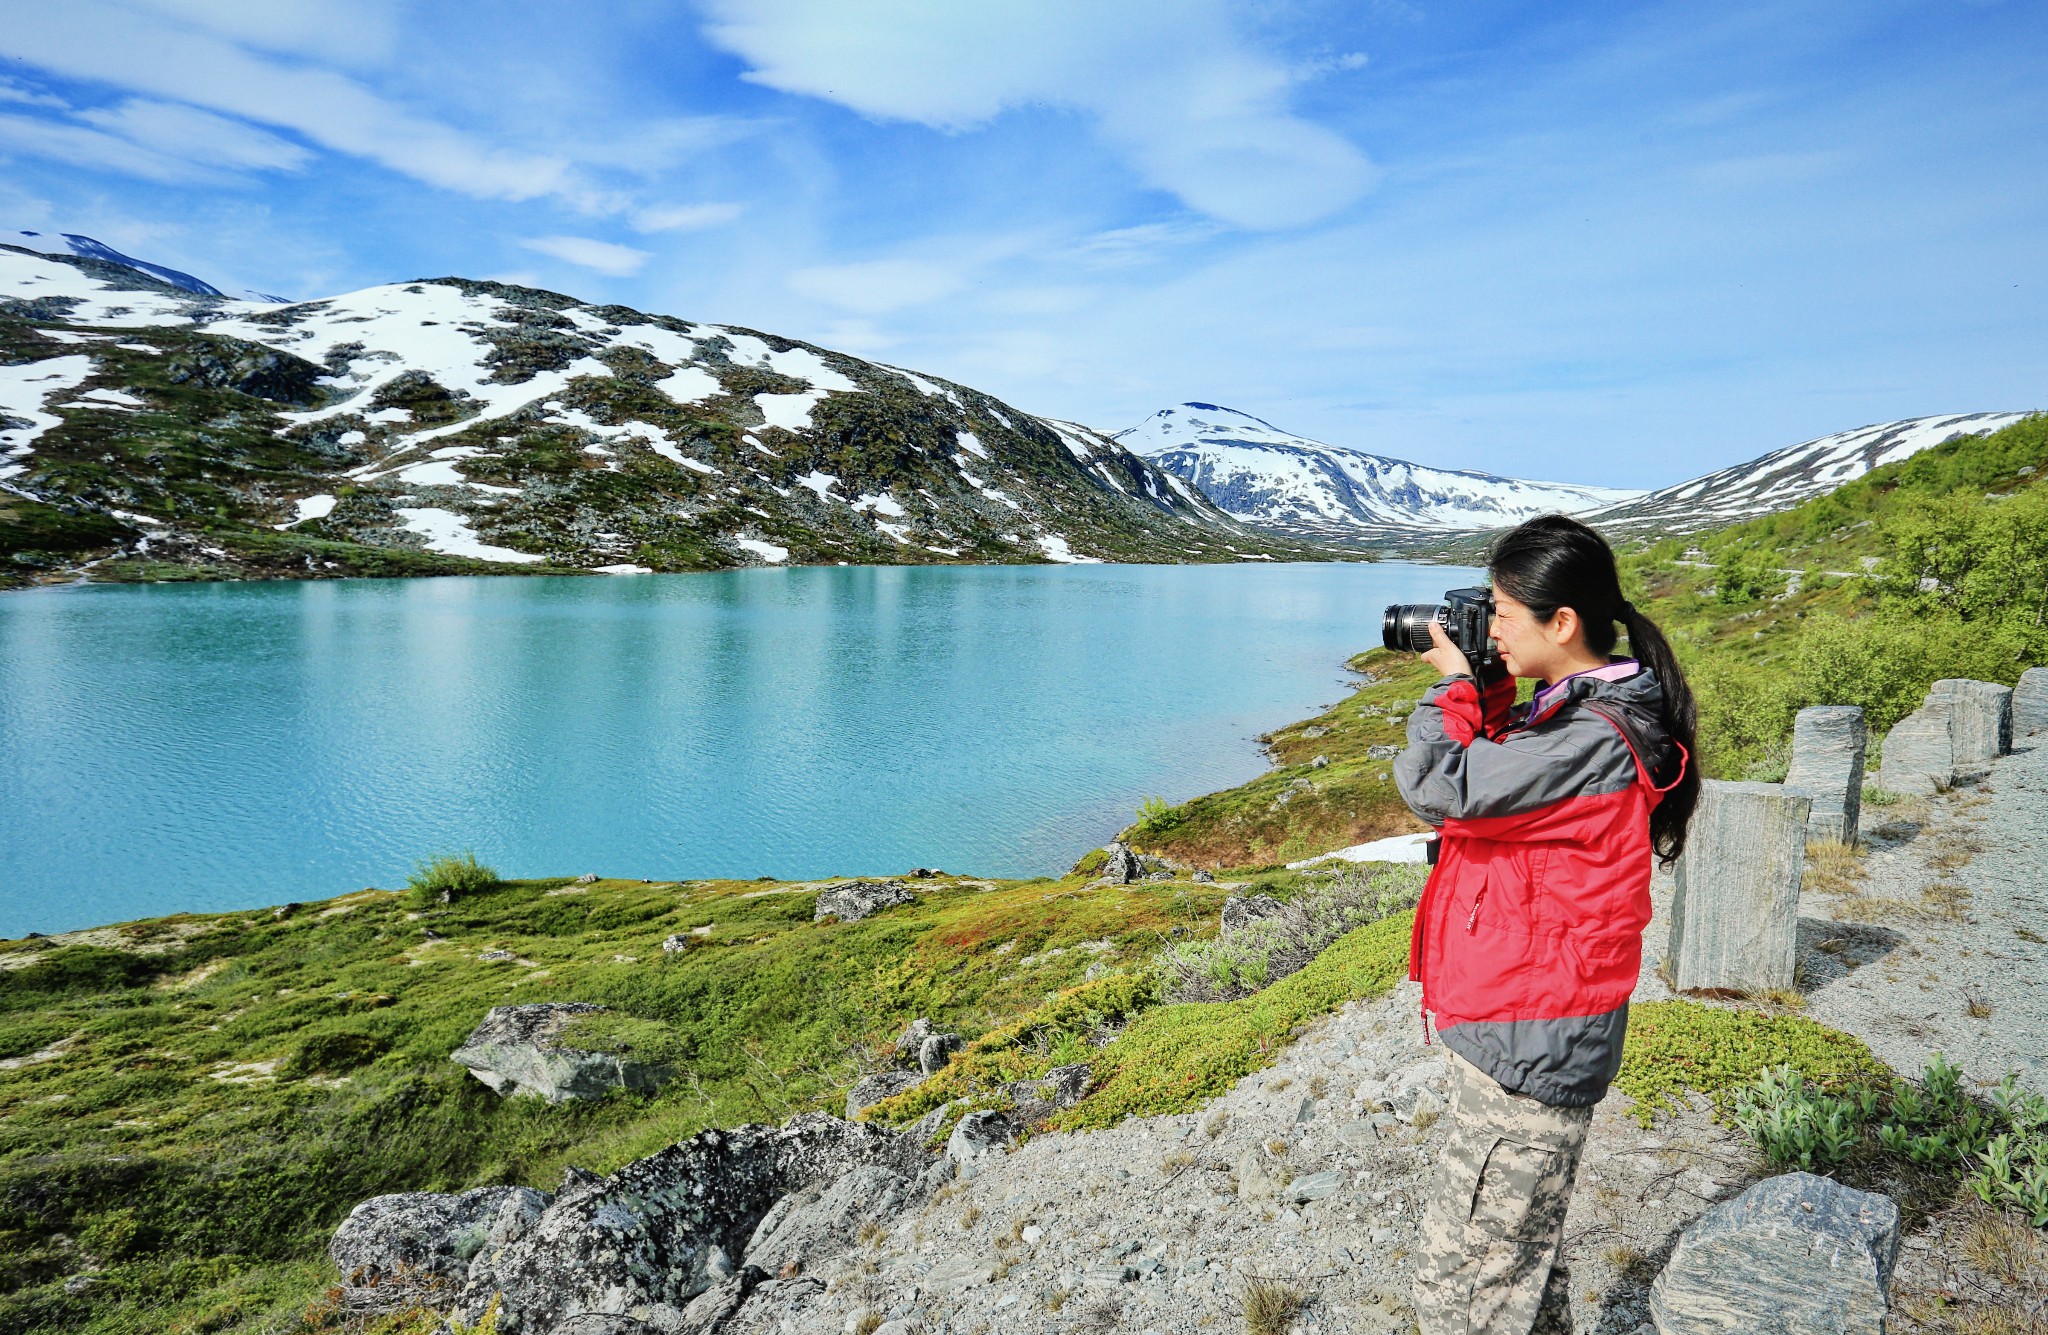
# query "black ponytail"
(1552, 562)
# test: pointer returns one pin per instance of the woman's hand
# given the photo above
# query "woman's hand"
(1446, 657)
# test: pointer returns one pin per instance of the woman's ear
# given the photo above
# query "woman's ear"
(1565, 626)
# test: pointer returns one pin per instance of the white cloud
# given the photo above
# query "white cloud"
(682, 217)
(875, 287)
(198, 136)
(12, 91)
(603, 256)
(1193, 108)
(84, 147)
(135, 50)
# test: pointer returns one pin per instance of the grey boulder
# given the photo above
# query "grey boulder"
(1793, 1255)
(1980, 720)
(518, 1050)
(414, 1235)
(817, 1223)
(1828, 744)
(1919, 752)
(976, 1136)
(851, 901)
(2030, 703)
(872, 1089)
(1041, 1096)
(1122, 866)
(936, 1051)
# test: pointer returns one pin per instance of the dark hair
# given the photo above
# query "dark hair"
(1552, 562)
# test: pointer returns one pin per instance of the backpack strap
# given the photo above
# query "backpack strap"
(1633, 742)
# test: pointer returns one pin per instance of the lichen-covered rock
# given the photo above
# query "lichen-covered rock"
(912, 1038)
(1121, 866)
(854, 900)
(2030, 703)
(1828, 743)
(1980, 721)
(1241, 911)
(1796, 1253)
(872, 1089)
(816, 1223)
(518, 1050)
(417, 1234)
(646, 1235)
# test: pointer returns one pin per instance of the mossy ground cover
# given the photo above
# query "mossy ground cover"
(191, 1103)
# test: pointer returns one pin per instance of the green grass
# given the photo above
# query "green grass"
(1679, 1047)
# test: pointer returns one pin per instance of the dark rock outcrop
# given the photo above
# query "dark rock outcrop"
(389, 1247)
(648, 1235)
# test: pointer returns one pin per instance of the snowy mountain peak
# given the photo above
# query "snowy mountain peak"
(1269, 477)
(71, 243)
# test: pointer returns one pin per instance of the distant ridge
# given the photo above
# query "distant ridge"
(1783, 478)
(1277, 480)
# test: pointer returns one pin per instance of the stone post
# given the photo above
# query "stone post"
(1828, 742)
(1980, 721)
(1919, 753)
(2030, 703)
(1735, 916)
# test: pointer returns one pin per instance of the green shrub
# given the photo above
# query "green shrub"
(72, 969)
(1156, 816)
(332, 1053)
(445, 878)
(1269, 949)
(627, 1036)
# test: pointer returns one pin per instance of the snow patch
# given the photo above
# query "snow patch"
(767, 551)
(971, 444)
(450, 534)
(1056, 549)
(309, 507)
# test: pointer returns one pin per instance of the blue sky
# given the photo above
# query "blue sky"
(1621, 244)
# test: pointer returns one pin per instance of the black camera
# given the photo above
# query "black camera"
(1464, 614)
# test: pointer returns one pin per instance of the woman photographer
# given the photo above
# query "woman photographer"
(1529, 936)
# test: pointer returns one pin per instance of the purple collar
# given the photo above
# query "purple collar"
(1551, 694)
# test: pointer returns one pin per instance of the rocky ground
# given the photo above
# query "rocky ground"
(1309, 1175)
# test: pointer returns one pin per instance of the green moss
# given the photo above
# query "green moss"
(1176, 1058)
(627, 1036)
(1678, 1047)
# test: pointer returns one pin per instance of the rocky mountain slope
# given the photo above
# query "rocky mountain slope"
(151, 430)
(1783, 478)
(1292, 484)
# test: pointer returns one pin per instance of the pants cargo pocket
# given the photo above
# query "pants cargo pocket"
(1522, 1191)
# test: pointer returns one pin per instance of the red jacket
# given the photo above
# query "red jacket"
(1529, 935)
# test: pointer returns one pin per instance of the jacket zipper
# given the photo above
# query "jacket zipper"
(1472, 922)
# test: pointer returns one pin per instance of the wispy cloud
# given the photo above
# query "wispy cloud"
(1192, 105)
(605, 257)
(683, 217)
(199, 137)
(139, 51)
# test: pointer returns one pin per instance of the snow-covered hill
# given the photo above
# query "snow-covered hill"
(1784, 478)
(1276, 480)
(407, 428)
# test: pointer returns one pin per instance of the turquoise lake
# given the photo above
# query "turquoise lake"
(220, 746)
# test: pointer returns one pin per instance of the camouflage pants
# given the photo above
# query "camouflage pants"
(1494, 1222)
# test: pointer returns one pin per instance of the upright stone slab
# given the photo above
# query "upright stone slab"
(1980, 721)
(1735, 916)
(2030, 704)
(1793, 1255)
(1919, 753)
(1828, 742)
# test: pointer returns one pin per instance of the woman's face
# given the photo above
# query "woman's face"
(1528, 647)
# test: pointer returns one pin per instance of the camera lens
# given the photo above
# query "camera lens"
(1405, 627)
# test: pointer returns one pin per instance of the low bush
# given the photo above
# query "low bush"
(1269, 949)
(445, 878)
(1675, 1047)
(332, 1053)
